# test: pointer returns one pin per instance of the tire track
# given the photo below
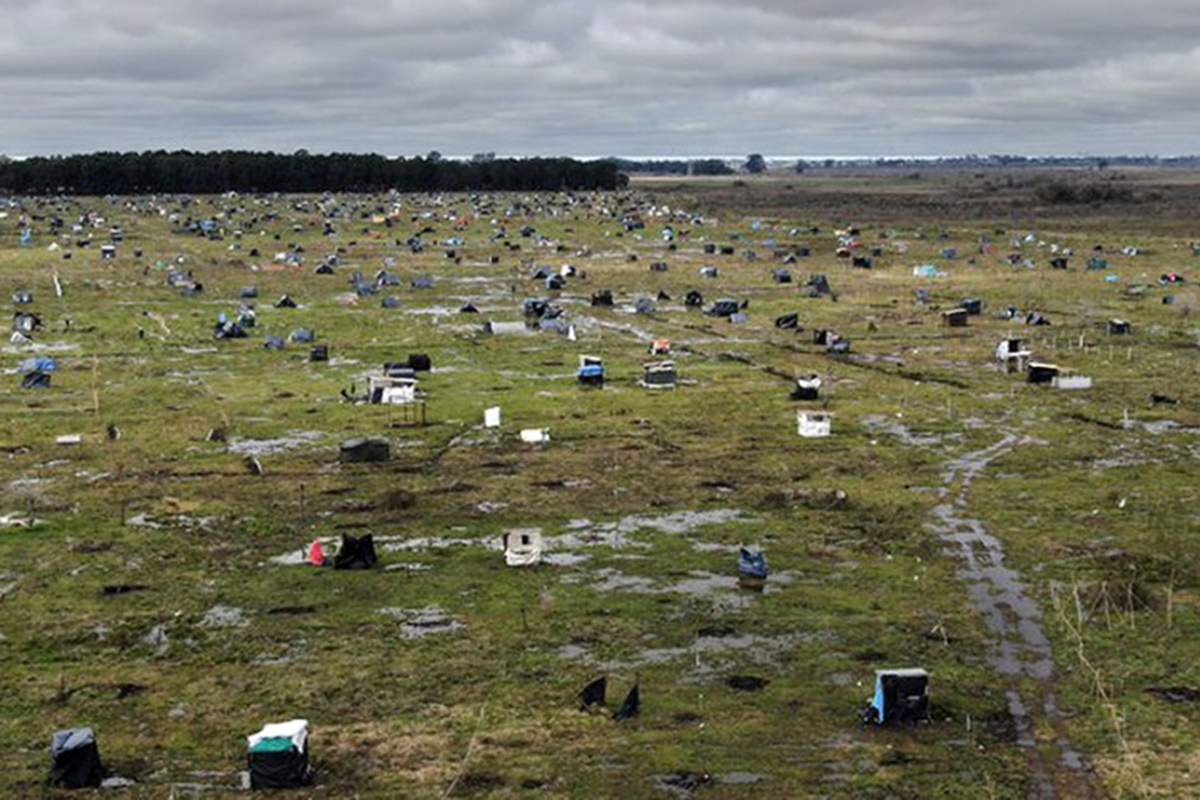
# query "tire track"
(1021, 650)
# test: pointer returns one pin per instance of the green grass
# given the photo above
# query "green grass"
(489, 709)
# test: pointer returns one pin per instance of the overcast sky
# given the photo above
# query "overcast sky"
(594, 78)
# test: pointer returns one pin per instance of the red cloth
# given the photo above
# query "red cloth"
(316, 553)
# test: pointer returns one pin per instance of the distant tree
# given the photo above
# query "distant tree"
(483, 158)
(755, 164)
(801, 165)
(433, 156)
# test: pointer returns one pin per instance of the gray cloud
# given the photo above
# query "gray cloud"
(537, 77)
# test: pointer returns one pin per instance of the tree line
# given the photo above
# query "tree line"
(184, 172)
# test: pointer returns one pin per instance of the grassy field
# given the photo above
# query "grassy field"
(156, 597)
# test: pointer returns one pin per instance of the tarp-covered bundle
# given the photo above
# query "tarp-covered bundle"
(278, 756)
(356, 552)
(75, 759)
(724, 307)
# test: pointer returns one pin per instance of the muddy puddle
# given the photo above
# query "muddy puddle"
(1157, 426)
(1020, 648)
(417, 623)
(263, 447)
(563, 549)
(696, 583)
(706, 656)
(878, 423)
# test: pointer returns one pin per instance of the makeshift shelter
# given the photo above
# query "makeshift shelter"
(781, 275)
(972, 305)
(862, 262)
(75, 759)
(391, 390)
(1120, 327)
(248, 292)
(273, 342)
(25, 322)
(810, 424)
(808, 387)
(285, 302)
(693, 299)
(752, 569)
(303, 335)
(660, 347)
(535, 435)
(644, 305)
(535, 307)
(708, 272)
(419, 362)
(901, 696)
(788, 321)
(422, 282)
(22, 297)
(522, 548)
(1013, 355)
(319, 352)
(659, 375)
(354, 451)
(356, 552)
(1042, 373)
(724, 307)
(818, 285)
(603, 297)
(591, 371)
(278, 756)
(954, 318)
(391, 301)
(838, 346)
(108, 251)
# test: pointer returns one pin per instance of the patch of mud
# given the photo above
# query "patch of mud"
(1157, 426)
(263, 447)
(738, 778)
(416, 623)
(159, 521)
(224, 617)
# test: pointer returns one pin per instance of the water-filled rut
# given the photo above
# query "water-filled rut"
(1020, 648)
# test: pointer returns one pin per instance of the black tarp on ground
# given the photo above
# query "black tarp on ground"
(356, 552)
(35, 380)
(419, 362)
(630, 706)
(594, 693)
(75, 759)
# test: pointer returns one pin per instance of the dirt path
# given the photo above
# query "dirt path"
(1021, 650)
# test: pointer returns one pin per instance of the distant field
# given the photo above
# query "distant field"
(1033, 547)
